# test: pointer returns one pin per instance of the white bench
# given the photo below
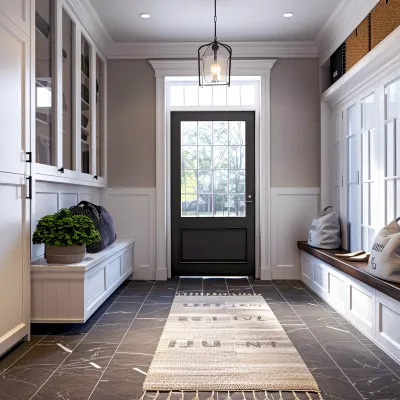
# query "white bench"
(72, 293)
(373, 312)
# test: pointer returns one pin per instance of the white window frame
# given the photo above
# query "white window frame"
(170, 70)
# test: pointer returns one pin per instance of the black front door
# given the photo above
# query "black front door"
(212, 193)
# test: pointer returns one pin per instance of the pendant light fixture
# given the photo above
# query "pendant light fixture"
(214, 60)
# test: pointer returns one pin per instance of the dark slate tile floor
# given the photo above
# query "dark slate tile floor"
(107, 358)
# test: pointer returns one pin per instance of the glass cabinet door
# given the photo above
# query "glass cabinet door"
(68, 92)
(86, 122)
(45, 68)
(100, 79)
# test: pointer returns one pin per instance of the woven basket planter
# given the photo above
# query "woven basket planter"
(358, 44)
(65, 254)
(385, 18)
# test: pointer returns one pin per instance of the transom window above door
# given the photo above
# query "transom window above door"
(213, 169)
(189, 94)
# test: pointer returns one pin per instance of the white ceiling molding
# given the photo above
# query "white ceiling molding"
(153, 50)
(190, 67)
(88, 16)
(339, 26)
(377, 64)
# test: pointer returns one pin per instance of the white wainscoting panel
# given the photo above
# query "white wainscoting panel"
(50, 197)
(134, 213)
(292, 210)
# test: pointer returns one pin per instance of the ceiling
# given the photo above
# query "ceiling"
(192, 20)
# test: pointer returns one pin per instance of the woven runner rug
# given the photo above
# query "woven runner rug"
(227, 343)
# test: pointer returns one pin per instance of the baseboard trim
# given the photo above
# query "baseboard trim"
(285, 273)
(143, 273)
(161, 274)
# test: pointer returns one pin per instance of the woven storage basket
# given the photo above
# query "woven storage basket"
(385, 18)
(358, 44)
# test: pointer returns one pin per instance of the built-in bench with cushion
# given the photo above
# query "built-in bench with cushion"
(370, 303)
(72, 293)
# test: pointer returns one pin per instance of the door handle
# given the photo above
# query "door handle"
(29, 188)
(249, 199)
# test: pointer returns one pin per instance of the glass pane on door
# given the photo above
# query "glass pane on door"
(45, 138)
(86, 123)
(99, 115)
(213, 169)
(67, 72)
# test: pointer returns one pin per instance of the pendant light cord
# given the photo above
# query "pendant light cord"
(215, 20)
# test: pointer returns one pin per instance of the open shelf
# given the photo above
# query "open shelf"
(84, 105)
(84, 75)
(42, 122)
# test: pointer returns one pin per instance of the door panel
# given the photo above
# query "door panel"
(14, 210)
(14, 87)
(19, 13)
(13, 255)
(212, 191)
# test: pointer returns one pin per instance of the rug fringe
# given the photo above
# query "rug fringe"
(212, 396)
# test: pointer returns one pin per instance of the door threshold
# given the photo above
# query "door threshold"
(213, 277)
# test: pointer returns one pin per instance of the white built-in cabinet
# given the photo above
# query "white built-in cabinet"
(52, 75)
(14, 171)
(363, 135)
(69, 135)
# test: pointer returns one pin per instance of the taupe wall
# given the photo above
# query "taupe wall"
(295, 123)
(131, 124)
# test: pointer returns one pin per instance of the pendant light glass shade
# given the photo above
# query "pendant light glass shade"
(214, 61)
(215, 66)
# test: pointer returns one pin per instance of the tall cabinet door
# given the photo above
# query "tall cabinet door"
(14, 211)
(14, 255)
(14, 64)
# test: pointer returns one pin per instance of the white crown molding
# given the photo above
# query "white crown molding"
(174, 50)
(346, 17)
(171, 68)
(92, 23)
(378, 63)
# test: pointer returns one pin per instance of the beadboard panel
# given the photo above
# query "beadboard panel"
(374, 313)
(292, 210)
(72, 293)
(50, 197)
(134, 213)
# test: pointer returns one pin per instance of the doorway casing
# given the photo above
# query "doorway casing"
(259, 69)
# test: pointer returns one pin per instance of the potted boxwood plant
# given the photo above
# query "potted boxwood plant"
(65, 236)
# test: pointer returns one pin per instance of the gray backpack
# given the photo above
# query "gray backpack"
(384, 261)
(325, 230)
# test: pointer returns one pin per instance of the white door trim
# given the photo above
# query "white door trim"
(182, 68)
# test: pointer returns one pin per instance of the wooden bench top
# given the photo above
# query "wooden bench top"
(357, 270)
